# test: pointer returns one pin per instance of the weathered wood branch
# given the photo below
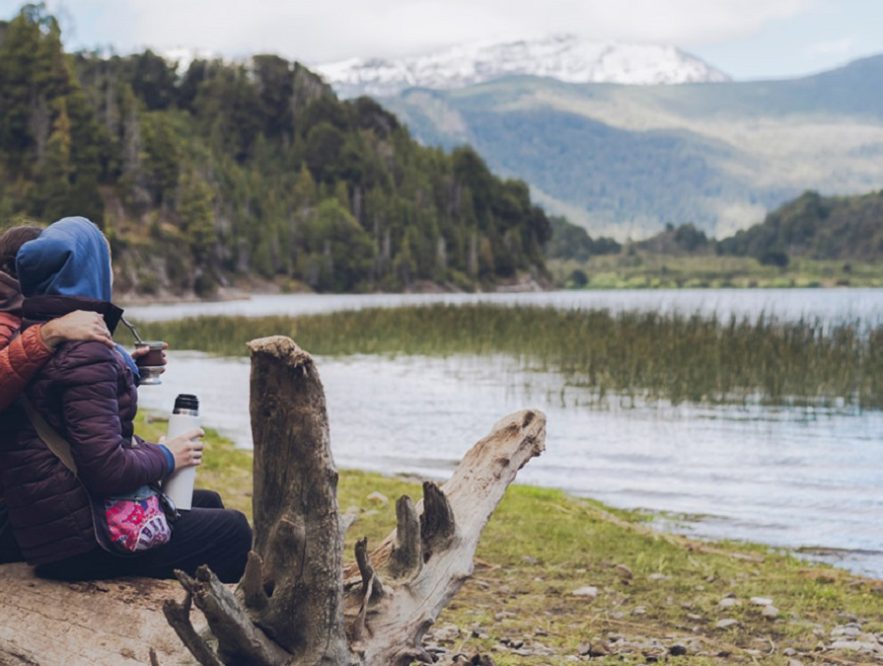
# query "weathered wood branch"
(407, 552)
(239, 640)
(296, 604)
(398, 624)
(372, 588)
(437, 521)
(178, 616)
(252, 584)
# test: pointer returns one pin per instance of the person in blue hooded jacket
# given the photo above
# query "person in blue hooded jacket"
(87, 393)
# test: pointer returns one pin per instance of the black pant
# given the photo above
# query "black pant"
(9, 550)
(207, 534)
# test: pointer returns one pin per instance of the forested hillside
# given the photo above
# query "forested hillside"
(810, 226)
(256, 169)
(570, 241)
(815, 227)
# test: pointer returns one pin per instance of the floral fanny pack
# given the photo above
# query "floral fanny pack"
(138, 521)
(129, 523)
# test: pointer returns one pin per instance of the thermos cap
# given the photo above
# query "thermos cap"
(186, 401)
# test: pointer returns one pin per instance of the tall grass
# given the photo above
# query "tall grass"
(647, 354)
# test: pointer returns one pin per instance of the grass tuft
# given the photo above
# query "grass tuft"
(650, 355)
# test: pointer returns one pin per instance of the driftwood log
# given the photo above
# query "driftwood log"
(101, 623)
(297, 603)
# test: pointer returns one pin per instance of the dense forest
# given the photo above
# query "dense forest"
(814, 227)
(227, 170)
(810, 226)
(569, 241)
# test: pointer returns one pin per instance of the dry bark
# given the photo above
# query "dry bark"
(293, 605)
(105, 623)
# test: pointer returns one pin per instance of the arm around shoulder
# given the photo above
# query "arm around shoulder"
(19, 362)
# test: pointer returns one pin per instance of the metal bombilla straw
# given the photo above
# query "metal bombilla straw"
(134, 331)
(149, 374)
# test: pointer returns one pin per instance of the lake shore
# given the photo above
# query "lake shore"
(603, 274)
(830, 305)
(227, 295)
(560, 579)
(254, 287)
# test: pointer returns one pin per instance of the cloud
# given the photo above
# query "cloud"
(323, 31)
(835, 47)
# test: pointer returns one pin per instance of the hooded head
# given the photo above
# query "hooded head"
(10, 243)
(70, 258)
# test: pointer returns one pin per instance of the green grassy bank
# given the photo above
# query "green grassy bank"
(646, 270)
(652, 355)
(656, 596)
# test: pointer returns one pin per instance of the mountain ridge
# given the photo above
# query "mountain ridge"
(561, 57)
(625, 160)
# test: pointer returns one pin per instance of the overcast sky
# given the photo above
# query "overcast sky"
(745, 38)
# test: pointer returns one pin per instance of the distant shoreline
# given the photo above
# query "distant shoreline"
(235, 294)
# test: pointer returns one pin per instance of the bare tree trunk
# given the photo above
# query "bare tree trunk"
(295, 604)
(297, 532)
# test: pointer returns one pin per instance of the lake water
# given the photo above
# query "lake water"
(782, 476)
(826, 304)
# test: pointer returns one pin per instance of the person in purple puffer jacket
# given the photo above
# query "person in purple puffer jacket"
(87, 393)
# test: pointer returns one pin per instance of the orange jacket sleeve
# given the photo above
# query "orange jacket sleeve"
(20, 360)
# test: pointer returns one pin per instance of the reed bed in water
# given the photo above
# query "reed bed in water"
(642, 354)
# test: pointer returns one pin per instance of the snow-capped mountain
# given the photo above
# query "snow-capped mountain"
(564, 57)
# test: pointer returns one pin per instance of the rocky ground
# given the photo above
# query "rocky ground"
(846, 643)
(561, 580)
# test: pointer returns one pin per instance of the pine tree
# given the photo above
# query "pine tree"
(195, 210)
(56, 170)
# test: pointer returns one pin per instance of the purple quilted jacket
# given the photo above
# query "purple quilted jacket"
(87, 393)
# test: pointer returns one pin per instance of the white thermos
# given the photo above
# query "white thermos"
(185, 417)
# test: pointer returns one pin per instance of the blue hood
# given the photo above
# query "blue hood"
(70, 258)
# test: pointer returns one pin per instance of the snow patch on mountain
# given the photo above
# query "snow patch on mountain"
(564, 57)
